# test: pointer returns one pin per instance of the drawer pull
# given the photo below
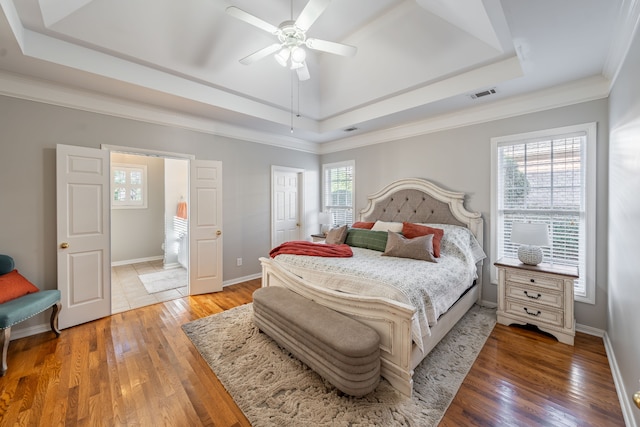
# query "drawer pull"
(532, 296)
(530, 313)
(532, 280)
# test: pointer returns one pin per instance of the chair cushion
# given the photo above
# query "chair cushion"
(19, 309)
(6, 264)
(14, 285)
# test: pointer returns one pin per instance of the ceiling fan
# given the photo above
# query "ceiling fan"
(292, 38)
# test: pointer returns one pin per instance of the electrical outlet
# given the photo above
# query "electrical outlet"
(239, 262)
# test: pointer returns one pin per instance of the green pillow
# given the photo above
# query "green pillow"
(368, 239)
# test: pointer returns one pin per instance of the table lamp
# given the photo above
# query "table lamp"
(530, 237)
(325, 220)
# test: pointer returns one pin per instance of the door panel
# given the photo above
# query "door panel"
(286, 213)
(84, 279)
(205, 227)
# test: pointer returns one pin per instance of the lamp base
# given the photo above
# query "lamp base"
(530, 255)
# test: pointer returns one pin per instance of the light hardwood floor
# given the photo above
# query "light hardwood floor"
(138, 368)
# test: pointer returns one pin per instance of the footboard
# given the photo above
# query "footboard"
(392, 320)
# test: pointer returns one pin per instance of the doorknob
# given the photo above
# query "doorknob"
(64, 245)
(636, 398)
(219, 232)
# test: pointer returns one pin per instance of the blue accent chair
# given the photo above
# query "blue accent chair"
(20, 309)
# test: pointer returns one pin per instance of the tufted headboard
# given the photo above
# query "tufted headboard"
(421, 201)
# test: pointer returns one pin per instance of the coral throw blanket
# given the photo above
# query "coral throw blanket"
(302, 247)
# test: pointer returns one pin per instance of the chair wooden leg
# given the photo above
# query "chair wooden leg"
(5, 337)
(54, 318)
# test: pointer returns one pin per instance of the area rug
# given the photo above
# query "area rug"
(164, 280)
(273, 388)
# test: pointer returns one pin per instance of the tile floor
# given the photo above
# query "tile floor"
(128, 292)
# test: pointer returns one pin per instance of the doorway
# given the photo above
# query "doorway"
(149, 230)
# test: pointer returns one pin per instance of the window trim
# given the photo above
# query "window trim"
(127, 204)
(334, 165)
(590, 197)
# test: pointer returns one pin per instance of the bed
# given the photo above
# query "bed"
(403, 343)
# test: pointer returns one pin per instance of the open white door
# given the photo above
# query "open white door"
(205, 227)
(84, 259)
(285, 205)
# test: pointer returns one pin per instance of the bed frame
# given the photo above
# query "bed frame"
(411, 200)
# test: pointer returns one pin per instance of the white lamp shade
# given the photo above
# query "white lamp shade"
(282, 57)
(298, 54)
(530, 234)
(324, 218)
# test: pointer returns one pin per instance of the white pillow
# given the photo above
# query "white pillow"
(396, 227)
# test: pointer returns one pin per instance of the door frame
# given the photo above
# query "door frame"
(301, 200)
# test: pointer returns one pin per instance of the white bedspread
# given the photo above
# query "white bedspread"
(429, 287)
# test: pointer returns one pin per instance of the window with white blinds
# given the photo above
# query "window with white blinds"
(337, 191)
(544, 177)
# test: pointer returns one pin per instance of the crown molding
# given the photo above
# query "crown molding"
(21, 87)
(584, 90)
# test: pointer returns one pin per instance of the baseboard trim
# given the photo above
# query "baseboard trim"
(590, 330)
(31, 330)
(241, 279)
(135, 261)
(625, 404)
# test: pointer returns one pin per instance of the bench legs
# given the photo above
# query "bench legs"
(5, 336)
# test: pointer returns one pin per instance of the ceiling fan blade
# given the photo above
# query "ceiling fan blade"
(332, 47)
(310, 13)
(303, 72)
(250, 19)
(262, 53)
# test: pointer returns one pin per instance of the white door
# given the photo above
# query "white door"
(84, 259)
(286, 215)
(205, 227)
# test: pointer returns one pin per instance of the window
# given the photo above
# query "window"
(337, 194)
(549, 177)
(128, 186)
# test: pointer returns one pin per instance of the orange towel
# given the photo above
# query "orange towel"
(182, 210)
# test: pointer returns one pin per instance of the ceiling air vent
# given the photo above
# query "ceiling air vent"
(351, 129)
(483, 93)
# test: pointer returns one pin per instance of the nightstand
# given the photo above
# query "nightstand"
(540, 295)
(316, 238)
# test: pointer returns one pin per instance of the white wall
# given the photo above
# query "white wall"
(176, 190)
(139, 233)
(624, 226)
(460, 160)
(30, 132)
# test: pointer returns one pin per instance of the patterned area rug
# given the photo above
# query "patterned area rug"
(164, 280)
(273, 388)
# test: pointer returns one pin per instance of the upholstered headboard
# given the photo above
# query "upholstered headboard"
(421, 201)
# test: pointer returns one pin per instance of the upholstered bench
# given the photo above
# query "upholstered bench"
(22, 308)
(342, 350)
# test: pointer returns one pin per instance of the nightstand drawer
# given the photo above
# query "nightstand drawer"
(528, 278)
(537, 295)
(535, 313)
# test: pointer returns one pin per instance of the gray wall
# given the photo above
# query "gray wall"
(30, 132)
(139, 233)
(460, 160)
(624, 224)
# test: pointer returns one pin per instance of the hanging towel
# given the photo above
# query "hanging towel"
(182, 210)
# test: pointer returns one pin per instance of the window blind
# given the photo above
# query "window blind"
(543, 181)
(338, 192)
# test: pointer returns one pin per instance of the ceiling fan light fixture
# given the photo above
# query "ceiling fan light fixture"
(283, 56)
(298, 54)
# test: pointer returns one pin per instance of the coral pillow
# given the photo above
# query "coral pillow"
(411, 230)
(360, 224)
(13, 285)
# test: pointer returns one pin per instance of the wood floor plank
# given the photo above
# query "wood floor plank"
(138, 368)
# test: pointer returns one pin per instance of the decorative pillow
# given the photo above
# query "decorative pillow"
(411, 230)
(13, 285)
(420, 248)
(336, 236)
(360, 224)
(368, 239)
(387, 226)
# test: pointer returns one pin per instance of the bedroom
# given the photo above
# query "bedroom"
(31, 130)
